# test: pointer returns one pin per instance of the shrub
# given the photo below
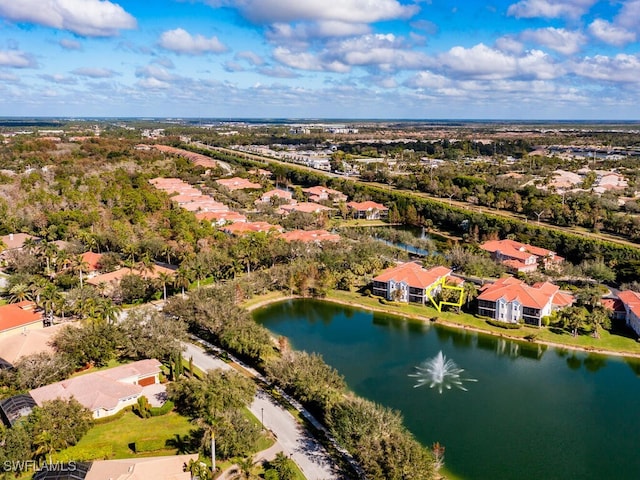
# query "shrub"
(505, 325)
(163, 410)
(142, 407)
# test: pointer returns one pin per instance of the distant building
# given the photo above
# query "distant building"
(303, 207)
(511, 300)
(368, 210)
(242, 228)
(320, 193)
(275, 193)
(15, 241)
(409, 282)
(237, 183)
(520, 257)
(308, 236)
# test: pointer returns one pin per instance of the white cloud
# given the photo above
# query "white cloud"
(306, 61)
(94, 72)
(629, 16)
(622, 68)
(154, 84)
(278, 72)
(250, 57)
(16, 59)
(509, 44)
(154, 71)
(59, 78)
(482, 62)
(181, 41)
(233, 67)
(558, 39)
(550, 8)
(69, 44)
(301, 33)
(91, 18)
(350, 11)
(610, 33)
(429, 80)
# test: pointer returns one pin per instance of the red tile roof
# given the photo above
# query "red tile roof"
(240, 228)
(365, 206)
(310, 236)
(237, 183)
(413, 275)
(92, 260)
(632, 300)
(17, 315)
(304, 207)
(538, 296)
(227, 216)
(515, 249)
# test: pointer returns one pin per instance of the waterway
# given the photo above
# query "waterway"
(534, 413)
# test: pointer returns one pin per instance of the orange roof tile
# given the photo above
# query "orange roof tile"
(18, 314)
(310, 236)
(368, 205)
(304, 207)
(92, 260)
(631, 300)
(237, 183)
(413, 275)
(538, 296)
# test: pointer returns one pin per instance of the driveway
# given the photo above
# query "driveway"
(295, 441)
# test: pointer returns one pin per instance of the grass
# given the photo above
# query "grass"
(608, 341)
(112, 363)
(115, 437)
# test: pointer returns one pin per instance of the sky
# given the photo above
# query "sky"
(420, 59)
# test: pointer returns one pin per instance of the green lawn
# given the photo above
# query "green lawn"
(112, 440)
(607, 341)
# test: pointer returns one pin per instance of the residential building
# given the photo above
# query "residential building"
(278, 193)
(23, 343)
(19, 318)
(241, 228)
(237, 183)
(221, 218)
(410, 282)
(92, 263)
(631, 302)
(14, 408)
(511, 300)
(520, 257)
(108, 282)
(368, 210)
(320, 194)
(308, 236)
(303, 207)
(15, 241)
(157, 468)
(104, 392)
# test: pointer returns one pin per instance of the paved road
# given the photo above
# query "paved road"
(296, 442)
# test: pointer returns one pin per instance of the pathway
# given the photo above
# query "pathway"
(294, 440)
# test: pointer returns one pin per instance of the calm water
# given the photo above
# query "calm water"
(533, 414)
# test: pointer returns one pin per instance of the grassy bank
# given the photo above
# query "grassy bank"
(608, 343)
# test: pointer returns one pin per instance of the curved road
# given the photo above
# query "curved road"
(295, 441)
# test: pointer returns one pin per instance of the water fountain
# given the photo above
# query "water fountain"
(440, 373)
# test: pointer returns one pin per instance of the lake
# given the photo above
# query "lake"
(534, 413)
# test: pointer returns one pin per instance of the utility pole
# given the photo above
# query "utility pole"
(213, 454)
(539, 214)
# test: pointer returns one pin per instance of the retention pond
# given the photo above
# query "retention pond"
(531, 412)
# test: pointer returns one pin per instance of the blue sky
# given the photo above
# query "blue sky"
(499, 59)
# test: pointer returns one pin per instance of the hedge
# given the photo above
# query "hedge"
(506, 325)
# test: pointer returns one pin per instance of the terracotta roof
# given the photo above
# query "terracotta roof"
(413, 275)
(237, 183)
(92, 260)
(614, 304)
(511, 289)
(368, 205)
(305, 207)
(227, 216)
(102, 389)
(510, 247)
(320, 190)
(631, 300)
(16, 240)
(156, 468)
(22, 344)
(310, 236)
(117, 275)
(277, 192)
(17, 315)
(240, 228)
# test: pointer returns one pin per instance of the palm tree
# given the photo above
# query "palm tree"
(470, 292)
(182, 279)
(79, 265)
(246, 466)
(45, 443)
(107, 311)
(164, 278)
(19, 293)
(49, 298)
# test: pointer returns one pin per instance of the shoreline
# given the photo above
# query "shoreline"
(446, 323)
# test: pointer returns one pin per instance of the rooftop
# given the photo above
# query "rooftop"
(413, 275)
(19, 314)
